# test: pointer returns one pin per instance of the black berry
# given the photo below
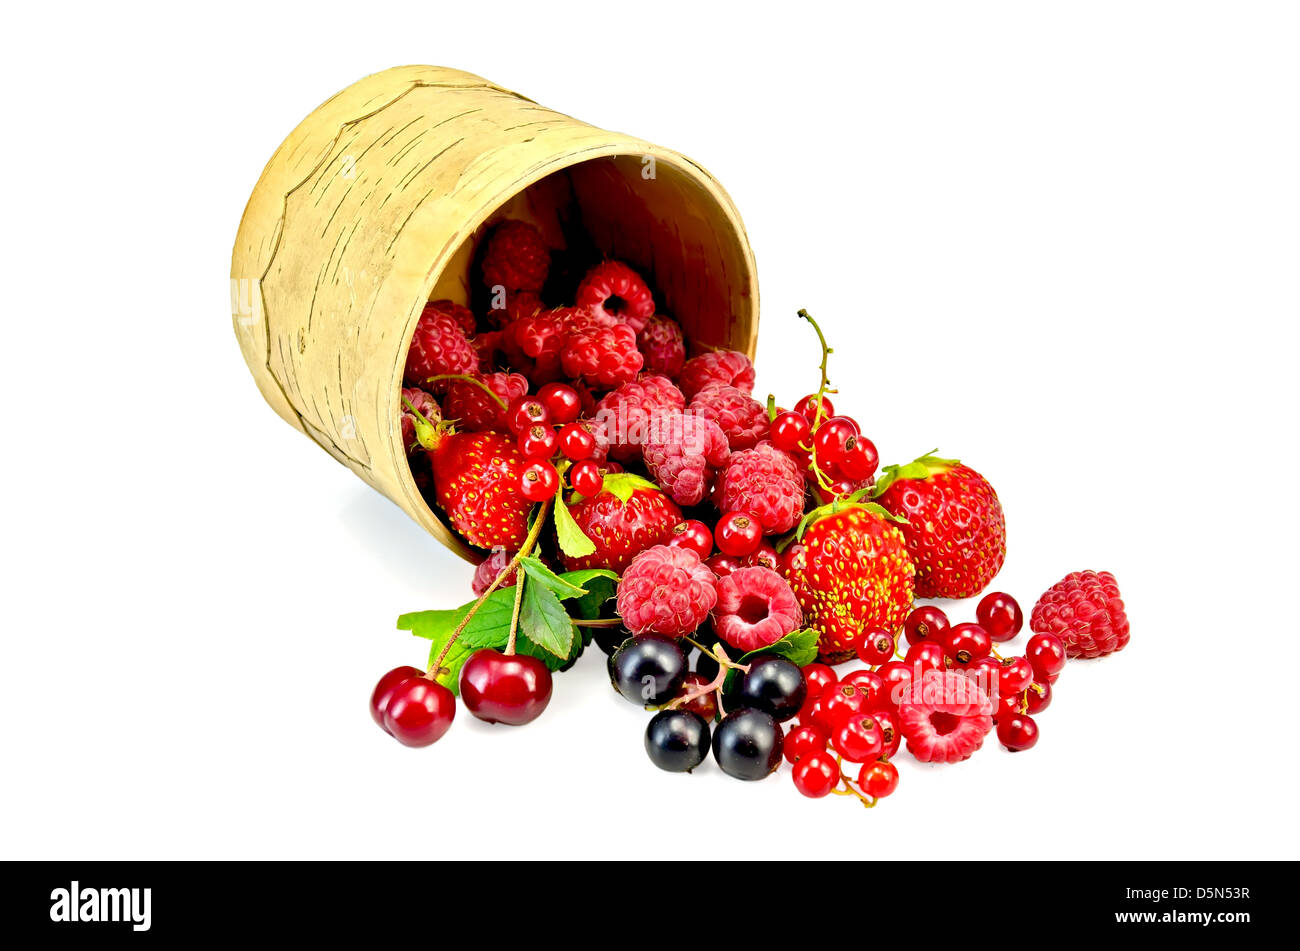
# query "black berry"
(648, 670)
(775, 685)
(747, 744)
(677, 740)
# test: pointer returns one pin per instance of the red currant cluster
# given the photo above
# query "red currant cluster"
(548, 433)
(838, 458)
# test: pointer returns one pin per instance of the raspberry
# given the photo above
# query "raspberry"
(625, 414)
(661, 343)
(766, 483)
(532, 345)
(489, 346)
(739, 415)
(474, 410)
(428, 408)
(666, 591)
(517, 258)
(488, 570)
(945, 716)
(439, 347)
(720, 366)
(683, 453)
(519, 305)
(599, 351)
(756, 607)
(1084, 610)
(463, 316)
(615, 290)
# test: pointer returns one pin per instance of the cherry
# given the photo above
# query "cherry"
(869, 683)
(738, 534)
(897, 675)
(577, 442)
(839, 702)
(926, 623)
(774, 685)
(538, 442)
(1015, 674)
(790, 432)
(539, 482)
(858, 738)
(1038, 696)
(878, 779)
(504, 688)
(926, 655)
(860, 460)
(677, 740)
(1046, 653)
(891, 736)
(383, 691)
(694, 535)
(967, 643)
(747, 744)
(586, 478)
(875, 647)
(803, 740)
(525, 412)
(816, 775)
(1000, 615)
(807, 407)
(1018, 732)
(416, 709)
(706, 704)
(833, 439)
(561, 401)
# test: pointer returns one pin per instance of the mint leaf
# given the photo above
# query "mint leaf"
(562, 587)
(798, 647)
(544, 622)
(600, 585)
(573, 542)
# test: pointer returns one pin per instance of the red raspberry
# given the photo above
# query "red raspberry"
(599, 351)
(663, 346)
(439, 347)
(463, 316)
(720, 366)
(739, 415)
(945, 716)
(683, 453)
(428, 408)
(615, 290)
(517, 258)
(488, 570)
(1084, 610)
(490, 347)
(766, 483)
(625, 414)
(533, 344)
(666, 591)
(756, 607)
(474, 410)
(519, 305)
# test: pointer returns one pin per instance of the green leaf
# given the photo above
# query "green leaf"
(623, 484)
(798, 647)
(920, 468)
(600, 585)
(489, 627)
(432, 625)
(573, 541)
(562, 587)
(544, 622)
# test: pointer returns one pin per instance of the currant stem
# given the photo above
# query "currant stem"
(823, 479)
(462, 378)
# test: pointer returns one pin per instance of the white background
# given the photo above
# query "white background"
(1057, 240)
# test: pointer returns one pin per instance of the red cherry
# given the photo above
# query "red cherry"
(694, 535)
(561, 401)
(878, 779)
(897, 675)
(525, 412)
(1038, 696)
(803, 740)
(1000, 615)
(891, 737)
(383, 691)
(875, 647)
(926, 623)
(501, 688)
(967, 643)
(857, 738)
(790, 431)
(807, 407)
(419, 711)
(577, 442)
(816, 774)
(1046, 653)
(738, 534)
(586, 478)
(538, 442)
(1015, 674)
(539, 482)
(861, 460)
(833, 439)
(723, 565)
(1018, 732)
(871, 684)
(706, 705)
(924, 656)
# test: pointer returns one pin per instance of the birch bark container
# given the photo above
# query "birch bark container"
(373, 206)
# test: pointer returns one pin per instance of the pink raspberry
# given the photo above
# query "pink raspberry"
(615, 290)
(438, 348)
(488, 570)
(475, 411)
(739, 415)
(533, 344)
(1085, 611)
(666, 591)
(517, 258)
(519, 305)
(944, 716)
(683, 453)
(663, 346)
(729, 367)
(428, 408)
(756, 607)
(599, 351)
(766, 483)
(463, 316)
(626, 412)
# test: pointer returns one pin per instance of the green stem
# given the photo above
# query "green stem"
(460, 377)
(823, 479)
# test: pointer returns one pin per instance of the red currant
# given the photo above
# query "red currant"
(860, 460)
(706, 705)
(504, 688)
(419, 711)
(576, 442)
(538, 442)
(857, 738)
(1000, 615)
(841, 488)
(539, 482)
(764, 557)
(738, 534)
(807, 407)
(869, 683)
(561, 401)
(926, 623)
(878, 779)
(814, 714)
(833, 438)
(525, 412)
(985, 672)
(967, 643)
(816, 775)
(1046, 653)
(1018, 732)
(692, 534)
(723, 565)
(927, 655)
(790, 431)
(819, 677)
(586, 478)
(897, 676)
(839, 702)
(1015, 674)
(1038, 697)
(875, 647)
(891, 737)
(803, 740)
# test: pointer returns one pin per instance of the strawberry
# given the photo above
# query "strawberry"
(477, 479)
(630, 515)
(852, 574)
(956, 532)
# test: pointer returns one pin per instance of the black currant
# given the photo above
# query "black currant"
(747, 744)
(610, 639)
(677, 740)
(648, 670)
(775, 685)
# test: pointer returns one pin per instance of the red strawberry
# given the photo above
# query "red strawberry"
(851, 575)
(477, 479)
(956, 532)
(622, 528)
